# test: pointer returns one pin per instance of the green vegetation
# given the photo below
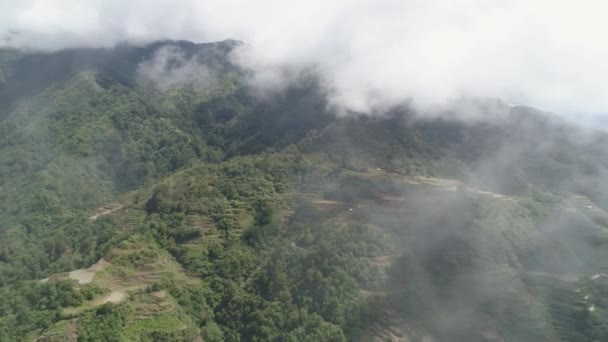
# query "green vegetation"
(132, 212)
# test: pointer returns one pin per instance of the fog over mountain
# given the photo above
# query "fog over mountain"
(371, 55)
(350, 170)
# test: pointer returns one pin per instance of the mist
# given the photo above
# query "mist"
(370, 55)
(170, 67)
(472, 253)
(377, 166)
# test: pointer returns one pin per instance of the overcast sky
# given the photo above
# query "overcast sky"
(551, 54)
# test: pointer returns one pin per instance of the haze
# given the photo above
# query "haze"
(371, 55)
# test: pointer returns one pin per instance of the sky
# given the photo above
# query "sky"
(371, 54)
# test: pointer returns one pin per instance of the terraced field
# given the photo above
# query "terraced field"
(127, 275)
(481, 292)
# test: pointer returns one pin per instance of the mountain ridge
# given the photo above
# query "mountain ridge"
(234, 217)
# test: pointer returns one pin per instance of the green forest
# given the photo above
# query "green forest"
(198, 211)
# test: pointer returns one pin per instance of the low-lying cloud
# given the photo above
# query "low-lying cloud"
(171, 67)
(370, 54)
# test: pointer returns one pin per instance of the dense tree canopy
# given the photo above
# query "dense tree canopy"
(209, 212)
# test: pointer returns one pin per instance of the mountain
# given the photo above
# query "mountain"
(149, 193)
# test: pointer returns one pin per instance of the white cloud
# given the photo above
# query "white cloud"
(171, 67)
(371, 53)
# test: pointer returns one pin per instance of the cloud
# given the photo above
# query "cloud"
(370, 54)
(170, 67)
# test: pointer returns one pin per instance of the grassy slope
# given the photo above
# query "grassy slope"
(207, 237)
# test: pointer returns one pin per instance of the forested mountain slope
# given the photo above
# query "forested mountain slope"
(150, 194)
